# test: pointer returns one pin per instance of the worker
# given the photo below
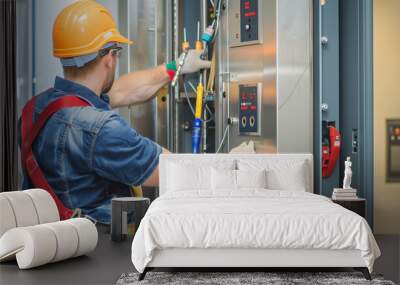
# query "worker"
(81, 151)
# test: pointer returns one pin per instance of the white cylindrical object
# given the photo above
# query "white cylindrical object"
(37, 245)
(33, 246)
(67, 240)
(46, 208)
(87, 235)
(40, 247)
(23, 207)
(7, 217)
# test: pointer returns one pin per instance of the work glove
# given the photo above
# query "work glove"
(244, 148)
(193, 62)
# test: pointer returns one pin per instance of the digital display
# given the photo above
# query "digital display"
(249, 11)
(248, 109)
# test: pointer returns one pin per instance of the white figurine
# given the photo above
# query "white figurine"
(348, 173)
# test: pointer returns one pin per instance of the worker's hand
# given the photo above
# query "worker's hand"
(193, 62)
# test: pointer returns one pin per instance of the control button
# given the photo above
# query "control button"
(244, 122)
(247, 27)
(252, 121)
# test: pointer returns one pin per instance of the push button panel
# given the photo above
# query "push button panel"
(249, 112)
(245, 19)
(248, 20)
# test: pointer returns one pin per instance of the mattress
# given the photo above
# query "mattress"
(250, 219)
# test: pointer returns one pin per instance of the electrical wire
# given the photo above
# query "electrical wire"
(209, 111)
(293, 91)
(299, 80)
(223, 139)
(211, 78)
(187, 97)
(218, 11)
(212, 3)
(192, 86)
(212, 117)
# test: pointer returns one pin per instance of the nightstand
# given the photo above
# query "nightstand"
(358, 206)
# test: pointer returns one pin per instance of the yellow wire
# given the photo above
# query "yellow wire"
(137, 191)
(211, 78)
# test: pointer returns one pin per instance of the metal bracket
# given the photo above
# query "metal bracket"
(324, 41)
(324, 107)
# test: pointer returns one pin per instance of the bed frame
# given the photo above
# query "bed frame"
(246, 259)
(242, 259)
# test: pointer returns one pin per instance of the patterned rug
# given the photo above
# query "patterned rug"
(244, 278)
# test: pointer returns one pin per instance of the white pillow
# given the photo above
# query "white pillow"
(187, 175)
(281, 174)
(292, 179)
(223, 179)
(251, 178)
(183, 177)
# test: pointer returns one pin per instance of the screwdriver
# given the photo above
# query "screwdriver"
(198, 122)
(182, 58)
(199, 44)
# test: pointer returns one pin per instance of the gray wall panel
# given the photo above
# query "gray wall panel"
(317, 116)
(145, 23)
(46, 66)
(294, 74)
(23, 61)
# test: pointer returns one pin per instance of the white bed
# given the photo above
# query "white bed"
(202, 220)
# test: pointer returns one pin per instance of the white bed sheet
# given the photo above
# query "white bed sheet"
(251, 218)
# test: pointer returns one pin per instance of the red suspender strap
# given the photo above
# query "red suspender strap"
(29, 132)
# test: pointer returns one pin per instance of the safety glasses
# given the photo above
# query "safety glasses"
(115, 50)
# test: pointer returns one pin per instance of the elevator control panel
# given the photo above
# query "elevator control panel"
(393, 149)
(249, 109)
(248, 20)
(245, 22)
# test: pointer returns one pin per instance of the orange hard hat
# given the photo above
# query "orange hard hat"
(84, 28)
